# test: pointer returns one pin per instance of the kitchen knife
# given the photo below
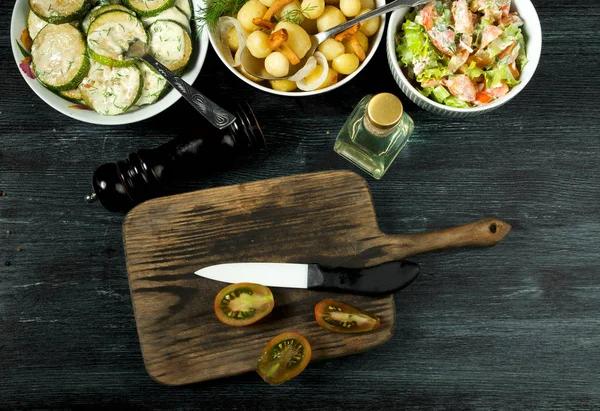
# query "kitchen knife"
(381, 279)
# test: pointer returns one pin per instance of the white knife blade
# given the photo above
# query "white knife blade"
(382, 279)
(267, 274)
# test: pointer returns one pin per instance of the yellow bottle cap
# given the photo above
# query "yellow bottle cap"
(384, 110)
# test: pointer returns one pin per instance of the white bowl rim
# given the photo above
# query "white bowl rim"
(92, 117)
(533, 60)
(346, 79)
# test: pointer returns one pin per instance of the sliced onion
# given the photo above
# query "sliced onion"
(466, 47)
(225, 24)
(321, 61)
(310, 65)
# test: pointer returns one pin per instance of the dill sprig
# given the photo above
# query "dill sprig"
(209, 15)
(296, 16)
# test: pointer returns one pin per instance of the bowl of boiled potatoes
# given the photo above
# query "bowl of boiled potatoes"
(253, 24)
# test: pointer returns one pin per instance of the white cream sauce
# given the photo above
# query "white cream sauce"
(57, 54)
(113, 37)
(167, 42)
(173, 14)
(153, 86)
(111, 90)
(53, 8)
(35, 24)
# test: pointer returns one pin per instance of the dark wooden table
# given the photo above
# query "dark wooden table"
(512, 327)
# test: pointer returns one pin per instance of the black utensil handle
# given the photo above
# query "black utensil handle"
(217, 116)
(385, 278)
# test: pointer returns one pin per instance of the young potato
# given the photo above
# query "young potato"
(250, 10)
(257, 43)
(370, 26)
(283, 85)
(267, 3)
(298, 39)
(294, 9)
(367, 4)
(233, 40)
(313, 8)
(332, 77)
(277, 64)
(362, 39)
(331, 17)
(350, 8)
(346, 63)
(331, 49)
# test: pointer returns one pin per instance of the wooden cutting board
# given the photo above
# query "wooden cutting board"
(325, 218)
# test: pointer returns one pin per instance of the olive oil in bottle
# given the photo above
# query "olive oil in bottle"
(375, 133)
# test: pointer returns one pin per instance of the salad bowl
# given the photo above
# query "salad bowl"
(81, 113)
(532, 33)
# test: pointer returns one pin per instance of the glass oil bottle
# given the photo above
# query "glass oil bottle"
(375, 133)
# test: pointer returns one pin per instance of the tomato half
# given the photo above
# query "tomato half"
(343, 318)
(243, 304)
(285, 356)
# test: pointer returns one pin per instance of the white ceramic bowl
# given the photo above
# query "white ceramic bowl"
(19, 23)
(373, 47)
(532, 32)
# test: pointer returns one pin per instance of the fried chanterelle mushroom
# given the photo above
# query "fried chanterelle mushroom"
(350, 35)
(277, 42)
(265, 21)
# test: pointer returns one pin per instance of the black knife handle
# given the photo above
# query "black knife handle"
(385, 278)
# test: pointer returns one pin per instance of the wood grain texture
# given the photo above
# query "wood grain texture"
(510, 327)
(322, 217)
(326, 218)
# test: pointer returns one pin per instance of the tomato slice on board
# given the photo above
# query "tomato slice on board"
(284, 357)
(343, 318)
(243, 304)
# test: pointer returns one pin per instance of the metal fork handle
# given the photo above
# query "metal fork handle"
(217, 116)
(324, 35)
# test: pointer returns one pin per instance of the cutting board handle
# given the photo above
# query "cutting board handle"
(483, 233)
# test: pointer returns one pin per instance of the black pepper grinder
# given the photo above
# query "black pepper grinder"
(122, 185)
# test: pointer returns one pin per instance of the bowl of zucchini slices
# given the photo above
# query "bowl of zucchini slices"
(70, 52)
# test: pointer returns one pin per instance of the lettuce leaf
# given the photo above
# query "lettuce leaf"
(440, 94)
(501, 72)
(473, 71)
(522, 58)
(456, 102)
(426, 91)
(416, 52)
(511, 33)
(412, 44)
(432, 73)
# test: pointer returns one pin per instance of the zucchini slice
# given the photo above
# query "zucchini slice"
(111, 90)
(98, 10)
(35, 24)
(170, 44)
(148, 8)
(72, 95)
(172, 14)
(60, 11)
(185, 6)
(59, 57)
(110, 35)
(154, 85)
